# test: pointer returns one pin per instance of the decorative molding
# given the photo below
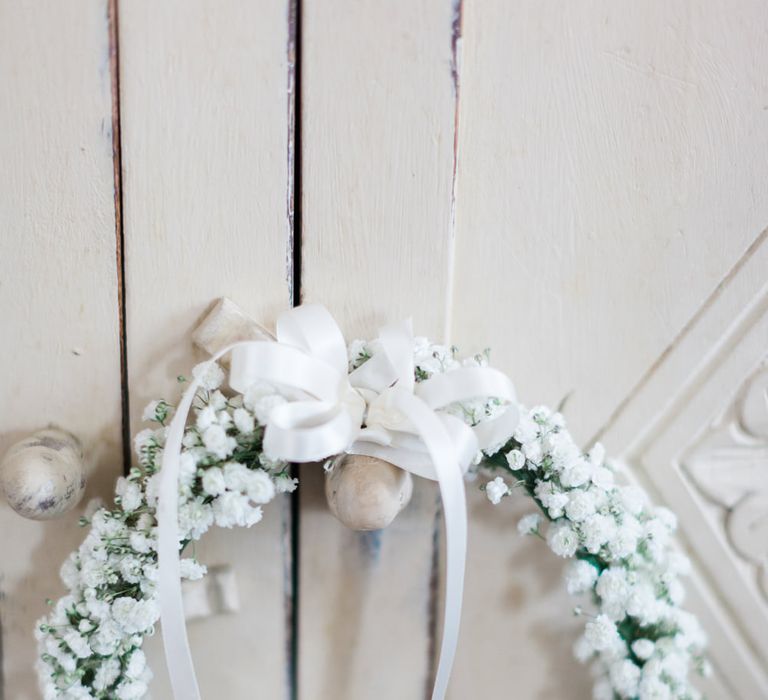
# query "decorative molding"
(695, 415)
(729, 467)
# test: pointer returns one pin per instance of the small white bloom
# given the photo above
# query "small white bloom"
(577, 474)
(529, 524)
(236, 476)
(580, 576)
(69, 572)
(129, 493)
(130, 569)
(496, 490)
(563, 540)
(259, 486)
(155, 411)
(217, 442)
(244, 421)
(625, 539)
(78, 644)
(140, 542)
(601, 633)
(581, 504)
(643, 604)
(191, 438)
(551, 497)
(285, 484)
(232, 509)
(597, 454)
(106, 674)
(131, 690)
(632, 498)
(515, 459)
(666, 517)
(625, 678)
(206, 417)
(219, 403)
(527, 430)
(195, 517)
(143, 439)
(643, 648)
(533, 452)
(213, 481)
(602, 477)
(135, 616)
(596, 530)
(192, 570)
(209, 374)
(614, 589)
(653, 688)
(137, 662)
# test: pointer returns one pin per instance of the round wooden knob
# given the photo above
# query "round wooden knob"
(366, 493)
(43, 476)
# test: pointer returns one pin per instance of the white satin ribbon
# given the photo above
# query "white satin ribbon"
(377, 410)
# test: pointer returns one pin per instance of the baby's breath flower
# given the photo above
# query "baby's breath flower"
(496, 490)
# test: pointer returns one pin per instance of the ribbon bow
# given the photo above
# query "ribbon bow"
(377, 410)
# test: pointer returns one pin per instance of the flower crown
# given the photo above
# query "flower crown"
(300, 396)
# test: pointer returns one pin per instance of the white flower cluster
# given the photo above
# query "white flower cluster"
(431, 359)
(90, 642)
(640, 642)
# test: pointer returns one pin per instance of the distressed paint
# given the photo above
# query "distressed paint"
(377, 162)
(205, 178)
(455, 157)
(58, 292)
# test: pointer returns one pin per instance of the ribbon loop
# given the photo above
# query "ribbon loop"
(378, 410)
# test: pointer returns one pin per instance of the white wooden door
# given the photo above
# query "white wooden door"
(580, 187)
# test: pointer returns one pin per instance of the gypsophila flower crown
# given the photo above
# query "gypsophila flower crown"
(401, 398)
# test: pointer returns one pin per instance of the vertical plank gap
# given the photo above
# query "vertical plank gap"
(433, 616)
(433, 610)
(456, 25)
(293, 204)
(117, 161)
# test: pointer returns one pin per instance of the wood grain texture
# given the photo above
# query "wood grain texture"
(204, 88)
(58, 286)
(377, 134)
(610, 176)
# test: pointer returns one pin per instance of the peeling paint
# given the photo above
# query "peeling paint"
(456, 33)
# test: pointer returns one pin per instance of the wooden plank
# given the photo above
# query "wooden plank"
(204, 96)
(58, 286)
(612, 161)
(378, 130)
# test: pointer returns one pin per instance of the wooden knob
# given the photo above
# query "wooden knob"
(43, 476)
(366, 493)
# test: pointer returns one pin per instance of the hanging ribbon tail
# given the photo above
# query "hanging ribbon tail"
(178, 656)
(438, 442)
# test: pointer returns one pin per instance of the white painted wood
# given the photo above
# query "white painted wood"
(611, 161)
(58, 286)
(204, 97)
(377, 159)
(609, 201)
